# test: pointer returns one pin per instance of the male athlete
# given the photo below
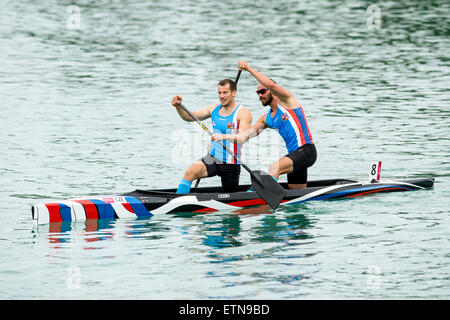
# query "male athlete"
(228, 117)
(287, 117)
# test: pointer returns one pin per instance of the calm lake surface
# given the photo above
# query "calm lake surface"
(85, 110)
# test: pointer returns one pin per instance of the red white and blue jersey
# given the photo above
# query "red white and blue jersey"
(225, 125)
(292, 126)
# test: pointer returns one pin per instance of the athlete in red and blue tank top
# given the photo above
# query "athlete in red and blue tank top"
(288, 118)
(291, 125)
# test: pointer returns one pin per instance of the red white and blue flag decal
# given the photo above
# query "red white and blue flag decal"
(90, 208)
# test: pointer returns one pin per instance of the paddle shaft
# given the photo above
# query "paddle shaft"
(237, 76)
(210, 133)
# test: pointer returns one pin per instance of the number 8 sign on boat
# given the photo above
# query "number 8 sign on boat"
(375, 171)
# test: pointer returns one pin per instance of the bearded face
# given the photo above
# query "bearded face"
(264, 95)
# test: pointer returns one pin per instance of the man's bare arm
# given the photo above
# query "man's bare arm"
(282, 93)
(201, 114)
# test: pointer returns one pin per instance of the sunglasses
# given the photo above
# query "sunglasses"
(262, 91)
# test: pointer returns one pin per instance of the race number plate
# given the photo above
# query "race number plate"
(375, 171)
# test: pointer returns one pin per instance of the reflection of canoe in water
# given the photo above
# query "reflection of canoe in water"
(145, 203)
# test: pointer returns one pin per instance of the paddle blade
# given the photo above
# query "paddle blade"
(267, 188)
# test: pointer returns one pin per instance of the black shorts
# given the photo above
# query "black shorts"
(303, 157)
(228, 173)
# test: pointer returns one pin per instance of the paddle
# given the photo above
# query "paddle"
(263, 183)
(237, 76)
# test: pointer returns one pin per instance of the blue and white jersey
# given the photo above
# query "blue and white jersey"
(225, 125)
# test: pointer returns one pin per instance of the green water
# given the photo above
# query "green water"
(85, 109)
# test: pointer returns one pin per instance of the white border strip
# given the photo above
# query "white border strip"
(402, 183)
(42, 214)
(319, 192)
(76, 210)
(186, 200)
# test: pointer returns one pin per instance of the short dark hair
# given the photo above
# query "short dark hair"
(230, 82)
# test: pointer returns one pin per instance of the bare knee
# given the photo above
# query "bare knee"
(195, 171)
(282, 166)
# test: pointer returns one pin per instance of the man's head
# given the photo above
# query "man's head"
(264, 95)
(226, 90)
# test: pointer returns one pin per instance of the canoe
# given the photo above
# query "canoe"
(145, 203)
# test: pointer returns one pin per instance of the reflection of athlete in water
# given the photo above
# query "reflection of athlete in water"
(225, 232)
(287, 117)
